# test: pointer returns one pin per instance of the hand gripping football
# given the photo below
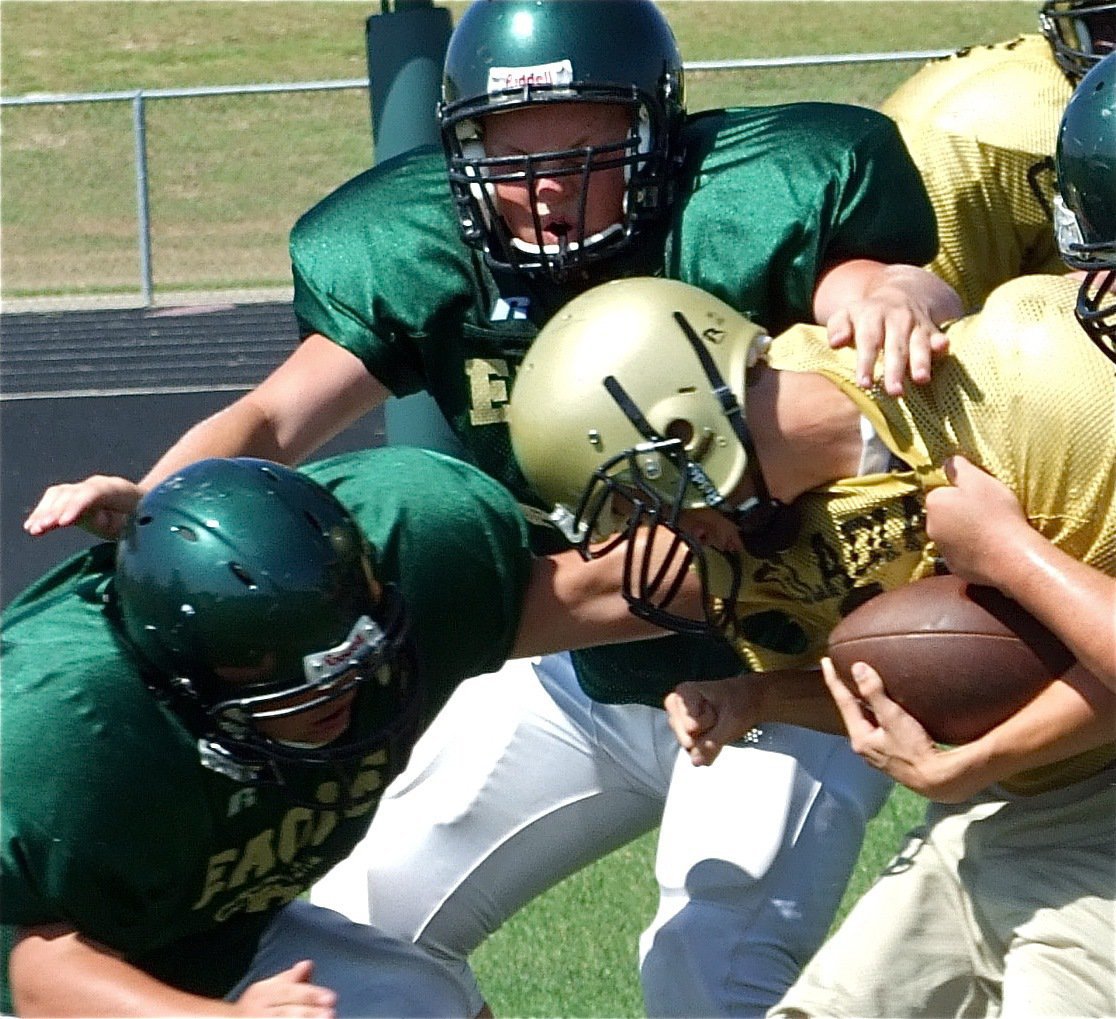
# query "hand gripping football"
(959, 657)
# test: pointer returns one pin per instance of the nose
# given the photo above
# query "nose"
(551, 189)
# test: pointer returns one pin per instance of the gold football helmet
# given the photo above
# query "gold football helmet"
(627, 411)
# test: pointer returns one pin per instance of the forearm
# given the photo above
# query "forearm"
(54, 971)
(240, 429)
(317, 392)
(707, 715)
(798, 697)
(1074, 714)
(1075, 601)
(573, 603)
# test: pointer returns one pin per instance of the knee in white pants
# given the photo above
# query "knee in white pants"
(698, 964)
(754, 856)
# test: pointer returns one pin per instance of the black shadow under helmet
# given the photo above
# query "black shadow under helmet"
(1080, 32)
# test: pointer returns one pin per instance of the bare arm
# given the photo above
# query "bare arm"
(896, 309)
(571, 603)
(1072, 715)
(707, 715)
(316, 393)
(979, 527)
(574, 603)
(55, 971)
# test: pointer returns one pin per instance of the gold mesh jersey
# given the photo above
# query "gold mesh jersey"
(1023, 394)
(981, 127)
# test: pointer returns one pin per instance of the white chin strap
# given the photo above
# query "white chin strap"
(554, 249)
(303, 744)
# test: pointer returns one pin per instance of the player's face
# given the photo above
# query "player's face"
(1102, 30)
(711, 528)
(557, 128)
(314, 727)
(282, 720)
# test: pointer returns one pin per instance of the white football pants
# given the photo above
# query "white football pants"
(373, 975)
(522, 780)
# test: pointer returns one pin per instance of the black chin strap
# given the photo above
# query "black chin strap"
(757, 511)
(694, 472)
(757, 514)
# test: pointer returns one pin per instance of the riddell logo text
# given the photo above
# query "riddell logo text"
(346, 652)
(530, 78)
(558, 73)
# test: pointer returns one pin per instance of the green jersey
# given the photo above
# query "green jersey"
(769, 197)
(111, 824)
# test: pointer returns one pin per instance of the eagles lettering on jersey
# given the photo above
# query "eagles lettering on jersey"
(981, 126)
(173, 865)
(275, 864)
(489, 384)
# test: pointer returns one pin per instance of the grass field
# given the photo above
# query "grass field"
(229, 176)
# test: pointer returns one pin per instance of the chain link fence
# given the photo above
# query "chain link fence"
(138, 197)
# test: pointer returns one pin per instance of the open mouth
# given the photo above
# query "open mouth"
(557, 231)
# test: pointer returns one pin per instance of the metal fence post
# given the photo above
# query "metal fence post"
(406, 48)
(143, 210)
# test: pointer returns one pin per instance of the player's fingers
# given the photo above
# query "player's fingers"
(869, 343)
(920, 354)
(301, 971)
(67, 504)
(301, 1010)
(45, 513)
(676, 719)
(870, 689)
(961, 472)
(683, 715)
(857, 723)
(705, 752)
(897, 358)
(839, 328)
(289, 993)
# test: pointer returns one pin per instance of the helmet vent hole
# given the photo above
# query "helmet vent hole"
(243, 576)
(145, 519)
(314, 522)
(183, 532)
(681, 430)
(268, 473)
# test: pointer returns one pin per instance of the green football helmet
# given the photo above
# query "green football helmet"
(1080, 32)
(1085, 207)
(627, 411)
(510, 54)
(243, 566)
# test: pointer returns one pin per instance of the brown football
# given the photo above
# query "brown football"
(959, 657)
